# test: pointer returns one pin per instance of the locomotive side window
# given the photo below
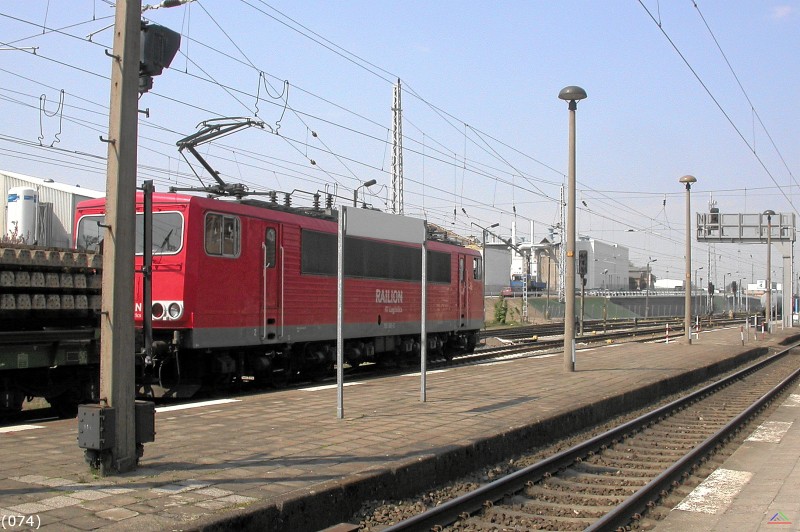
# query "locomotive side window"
(438, 267)
(230, 236)
(370, 259)
(477, 272)
(213, 234)
(222, 235)
(269, 243)
(461, 269)
(318, 253)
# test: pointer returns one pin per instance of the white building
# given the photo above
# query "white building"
(668, 284)
(761, 286)
(497, 262)
(607, 264)
(52, 209)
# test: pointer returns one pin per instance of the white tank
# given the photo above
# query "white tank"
(21, 215)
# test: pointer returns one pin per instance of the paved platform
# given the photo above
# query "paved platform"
(282, 460)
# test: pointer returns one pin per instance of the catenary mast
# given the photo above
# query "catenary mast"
(397, 151)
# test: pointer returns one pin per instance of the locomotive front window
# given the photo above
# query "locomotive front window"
(89, 236)
(222, 235)
(167, 233)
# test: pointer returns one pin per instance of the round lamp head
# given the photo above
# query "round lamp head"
(769, 212)
(572, 93)
(688, 179)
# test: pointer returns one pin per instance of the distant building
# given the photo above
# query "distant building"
(668, 284)
(47, 216)
(497, 263)
(761, 286)
(607, 264)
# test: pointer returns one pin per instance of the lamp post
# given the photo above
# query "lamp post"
(355, 192)
(484, 230)
(571, 94)
(768, 315)
(647, 289)
(687, 180)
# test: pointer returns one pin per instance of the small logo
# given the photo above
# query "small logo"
(779, 519)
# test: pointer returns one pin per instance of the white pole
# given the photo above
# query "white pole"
(424, 324)
(340, 314)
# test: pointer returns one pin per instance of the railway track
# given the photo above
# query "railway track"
(589, 326)
(597, 326)
(516, 343)
(609, 481)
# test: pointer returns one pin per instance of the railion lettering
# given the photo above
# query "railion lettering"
(389, 296)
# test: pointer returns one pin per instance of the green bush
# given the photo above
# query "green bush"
(500, 310)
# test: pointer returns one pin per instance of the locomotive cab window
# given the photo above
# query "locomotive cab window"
(269, 248)
(222, 235)
(477, 272)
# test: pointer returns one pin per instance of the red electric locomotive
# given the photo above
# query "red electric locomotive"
(248, 289)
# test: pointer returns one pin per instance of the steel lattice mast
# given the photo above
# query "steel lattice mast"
(397, 151)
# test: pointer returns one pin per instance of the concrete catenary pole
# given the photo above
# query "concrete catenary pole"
(116, 324)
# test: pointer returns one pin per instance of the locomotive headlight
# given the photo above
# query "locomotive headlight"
(167, 310)
(175, 310)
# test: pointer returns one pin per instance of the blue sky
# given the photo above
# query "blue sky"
(485, 134)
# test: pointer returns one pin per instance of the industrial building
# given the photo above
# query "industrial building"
(40, 211)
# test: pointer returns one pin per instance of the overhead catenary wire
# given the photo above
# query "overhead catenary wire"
(744, 92)
(426, 149)
(719, 106)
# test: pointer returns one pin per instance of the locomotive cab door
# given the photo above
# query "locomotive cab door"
(462, 288)
(270, 281)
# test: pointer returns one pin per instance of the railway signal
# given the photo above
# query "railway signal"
(583, 262)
